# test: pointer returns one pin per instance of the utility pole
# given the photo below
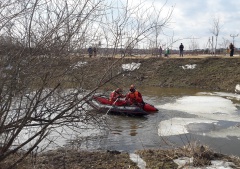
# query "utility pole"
(233, 36)
(213, 52)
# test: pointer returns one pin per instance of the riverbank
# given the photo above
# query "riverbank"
(209, 72)
(191, 156)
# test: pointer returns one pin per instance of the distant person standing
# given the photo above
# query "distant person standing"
(94, 51)
(167, 52)
(181, 47)
(90, 51)
(231, 47)
(160, 51)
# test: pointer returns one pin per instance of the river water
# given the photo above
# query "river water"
(184, 116)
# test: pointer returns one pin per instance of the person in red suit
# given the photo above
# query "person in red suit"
(115, 97)
(134, 97)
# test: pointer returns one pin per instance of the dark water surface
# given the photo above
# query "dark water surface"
(133, 133)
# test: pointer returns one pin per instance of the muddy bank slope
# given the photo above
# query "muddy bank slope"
(209, 73)
(219, 74)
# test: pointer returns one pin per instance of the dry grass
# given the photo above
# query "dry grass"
(159, 159)
(202, 156)
(71, 159)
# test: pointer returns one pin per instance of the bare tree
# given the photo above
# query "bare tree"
(215, 31)
(193, 45)
(36, 73)
(33, 98)
(132, 24)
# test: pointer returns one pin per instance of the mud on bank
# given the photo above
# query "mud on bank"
(219, 74)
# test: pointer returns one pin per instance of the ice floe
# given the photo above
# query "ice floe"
(211, 110)
(209, 107)
(177, 126)
(233, 131)
(232, 96)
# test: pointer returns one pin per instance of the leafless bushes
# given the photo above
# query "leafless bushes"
(36, 38)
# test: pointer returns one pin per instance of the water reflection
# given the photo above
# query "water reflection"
(133, 130)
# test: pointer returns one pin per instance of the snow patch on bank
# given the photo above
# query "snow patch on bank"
(187, 163)
(193, 66)
(138, 160)
(237, 88)
(78, 65)
(131, 66)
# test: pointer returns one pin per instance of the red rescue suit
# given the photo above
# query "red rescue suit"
(134, 97)
(114, 96)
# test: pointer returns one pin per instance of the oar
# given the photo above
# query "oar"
(112, 105)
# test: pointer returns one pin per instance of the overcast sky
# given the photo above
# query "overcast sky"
(194, 19)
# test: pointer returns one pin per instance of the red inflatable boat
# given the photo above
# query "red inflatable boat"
(120, 107)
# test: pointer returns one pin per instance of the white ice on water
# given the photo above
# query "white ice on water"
(177, 126)
(209, 108)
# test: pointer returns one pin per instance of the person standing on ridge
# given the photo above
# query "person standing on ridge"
(90, 51)
(231, 47)
(160, 51)
(181, 47)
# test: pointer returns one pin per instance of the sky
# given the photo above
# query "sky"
(193, 19)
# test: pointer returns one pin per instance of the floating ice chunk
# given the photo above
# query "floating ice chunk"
(231, 96)
(177, 126)
(209, 107)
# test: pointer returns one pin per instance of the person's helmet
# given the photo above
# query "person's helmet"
(132, 88)
(118, 90)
